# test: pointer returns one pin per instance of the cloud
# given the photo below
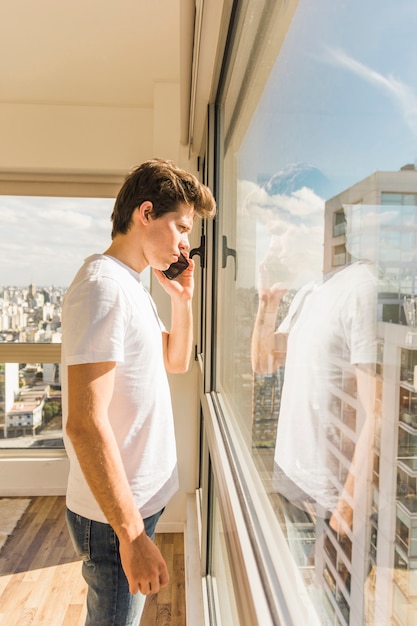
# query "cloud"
(303, 205)
(289, 228)
(75, 220)
(45, 240)
(402, 94)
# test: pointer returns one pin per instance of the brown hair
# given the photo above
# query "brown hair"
(166, 186)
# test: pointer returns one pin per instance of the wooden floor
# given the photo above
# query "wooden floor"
(40, 576)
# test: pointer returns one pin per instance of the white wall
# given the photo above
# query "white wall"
(89, 139)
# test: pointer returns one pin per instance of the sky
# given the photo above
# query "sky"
(342, 95)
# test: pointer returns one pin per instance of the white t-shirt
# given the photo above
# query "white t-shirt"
(330, 326)
(109, 316)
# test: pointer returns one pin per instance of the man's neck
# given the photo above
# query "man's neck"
(121, 250)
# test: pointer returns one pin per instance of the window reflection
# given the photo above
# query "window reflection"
(318, 333)
(326, 417)
(318, 355)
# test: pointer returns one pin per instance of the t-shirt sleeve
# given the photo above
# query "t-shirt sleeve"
(94, 322)
(295, 307)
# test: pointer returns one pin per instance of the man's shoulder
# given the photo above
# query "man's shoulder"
(94, 277)
(101, 265)
(103, 268)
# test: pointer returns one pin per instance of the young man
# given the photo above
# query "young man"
(118, 426)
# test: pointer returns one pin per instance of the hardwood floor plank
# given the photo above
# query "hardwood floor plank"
(41, 588)
(52, 603)
(25, 618)
(14, 598)
(73, 615)
(150, 611)
(163, 617)
(79, 588)
(178, 593)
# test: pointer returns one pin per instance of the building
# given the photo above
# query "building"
(23, 418)
(377, 219)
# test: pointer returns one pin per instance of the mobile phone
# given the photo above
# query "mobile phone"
(175, 269)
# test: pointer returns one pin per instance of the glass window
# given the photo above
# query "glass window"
(339, 227)
(339, 255)
(403, 199)
(316, 310)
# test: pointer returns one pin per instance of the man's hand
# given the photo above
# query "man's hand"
(177, 344)
(144, 565)
(183, 285)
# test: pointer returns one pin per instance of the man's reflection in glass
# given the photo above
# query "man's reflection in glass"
(327, 344)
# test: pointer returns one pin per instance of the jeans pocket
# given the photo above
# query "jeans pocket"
(80, 532)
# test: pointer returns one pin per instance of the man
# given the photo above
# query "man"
(118, 426)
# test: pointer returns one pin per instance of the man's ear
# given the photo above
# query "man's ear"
(145, 211)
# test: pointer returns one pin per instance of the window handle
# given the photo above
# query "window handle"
(228, 252)
(200, 251)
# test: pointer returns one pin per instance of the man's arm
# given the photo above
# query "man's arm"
(268, 348)
(90, 388)
(356, 482)
(177, 344)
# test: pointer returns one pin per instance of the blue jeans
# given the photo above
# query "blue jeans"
(109, 602)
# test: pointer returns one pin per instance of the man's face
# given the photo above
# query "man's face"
(168, 236)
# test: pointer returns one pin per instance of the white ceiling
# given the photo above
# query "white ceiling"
(88, 52)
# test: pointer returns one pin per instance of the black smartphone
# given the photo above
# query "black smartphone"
(175, 269)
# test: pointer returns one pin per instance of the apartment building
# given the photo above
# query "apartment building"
(376, 219)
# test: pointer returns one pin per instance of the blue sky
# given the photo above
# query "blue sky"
(342, 95)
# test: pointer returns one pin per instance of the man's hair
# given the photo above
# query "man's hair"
(166, 186)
